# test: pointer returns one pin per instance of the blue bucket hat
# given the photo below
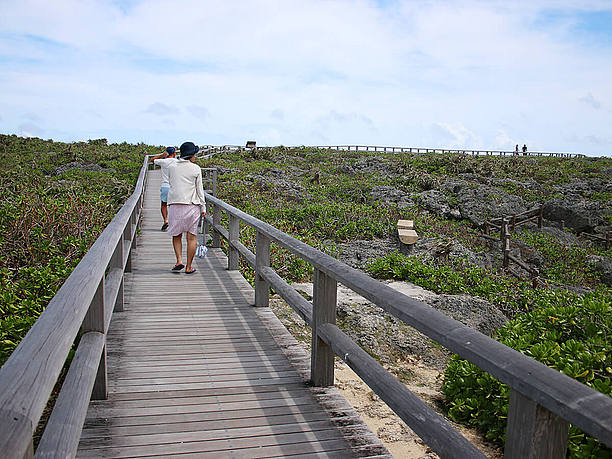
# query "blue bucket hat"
(170, 150)
(188, 149)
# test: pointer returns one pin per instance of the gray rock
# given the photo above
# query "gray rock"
(391, 195)
(367, 165)
(472, 311)
(564, 237)
(483, 203)
(358, 254)
(577, 213)
(526, 253)
(438, 204)
(603, 265)
(274, 182)
(454, 187)
(584, 187)
(436, 249)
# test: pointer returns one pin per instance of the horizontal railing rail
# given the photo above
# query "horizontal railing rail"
(469, 151)
(376, 148)
(542, 400)
(82, 308)
(209, 178)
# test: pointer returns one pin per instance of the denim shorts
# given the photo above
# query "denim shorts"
(163, 192)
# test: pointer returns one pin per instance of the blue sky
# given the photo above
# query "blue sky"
(430, 73)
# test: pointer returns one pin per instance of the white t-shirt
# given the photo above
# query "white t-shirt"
(165, 163)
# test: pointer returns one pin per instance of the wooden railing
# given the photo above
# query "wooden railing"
(542, 402)
(82, 308)
(515, 220)
(473, 152)
(507, 224)
(447, 150)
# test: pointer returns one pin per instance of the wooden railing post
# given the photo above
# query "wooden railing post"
(233, 256)
(95, 321)
(262, 259)
(205, 224)
(540, 217)
(135, 215)
(505, 238)
(127, 237)
(533, 432)
(324, 311)
(116, 261)
(214, 182)
(216, 236)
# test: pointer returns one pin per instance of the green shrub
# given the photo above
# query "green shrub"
(562, 264)
(48, 219)
(572, 335)
(509, 295)
(565, 331)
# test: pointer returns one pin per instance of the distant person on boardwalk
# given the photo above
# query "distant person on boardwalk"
(165, 160)
(186, 204)
(516, 149)
(525, 150)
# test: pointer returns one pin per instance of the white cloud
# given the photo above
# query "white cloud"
(277, 114)
(157, 108)
(590, 100)
(597, 140)
(503, 141)
(462, 73)
(30, 130)
(198, 111)
(455, 135)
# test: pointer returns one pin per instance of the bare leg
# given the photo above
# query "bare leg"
(164, 211)
(177, 244)
(192, 242)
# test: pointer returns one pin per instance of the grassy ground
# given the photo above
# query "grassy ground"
(58, 197)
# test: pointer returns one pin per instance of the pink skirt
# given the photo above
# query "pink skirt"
(183, 218)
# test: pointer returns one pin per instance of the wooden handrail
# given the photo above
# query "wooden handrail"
(564, 398)
(28, 376)
(376, 148)
(474, 152)
(527, 214)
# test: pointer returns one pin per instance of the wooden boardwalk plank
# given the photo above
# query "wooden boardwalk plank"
(193, 370)
(95, 432)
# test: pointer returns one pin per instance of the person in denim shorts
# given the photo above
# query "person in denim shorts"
(165, 160)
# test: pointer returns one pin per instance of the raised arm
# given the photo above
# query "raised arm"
(160, 156)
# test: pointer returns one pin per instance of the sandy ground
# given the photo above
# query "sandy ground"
(425, 382)
(397, 437)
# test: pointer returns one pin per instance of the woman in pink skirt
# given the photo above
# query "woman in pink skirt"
(186, 204)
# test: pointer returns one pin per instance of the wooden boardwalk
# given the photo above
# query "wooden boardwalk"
(195, 370)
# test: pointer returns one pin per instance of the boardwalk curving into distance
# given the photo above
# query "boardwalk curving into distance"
(195, 370)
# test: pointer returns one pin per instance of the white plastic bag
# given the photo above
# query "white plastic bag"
(201, 251)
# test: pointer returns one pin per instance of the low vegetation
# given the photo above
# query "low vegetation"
(58, 198)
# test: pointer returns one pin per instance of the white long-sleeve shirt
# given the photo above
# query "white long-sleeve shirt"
(186, 187)
(165, 164)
